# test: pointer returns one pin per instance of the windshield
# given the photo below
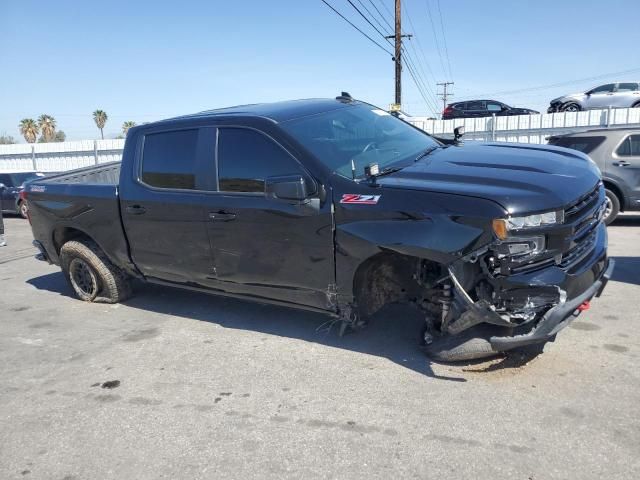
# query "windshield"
(19, 178)
(362, 133)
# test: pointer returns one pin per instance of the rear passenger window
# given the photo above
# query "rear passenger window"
(246, 158)
(582, 144)
(476, 105)
(627, 87)
(630, 147)
(169, 159)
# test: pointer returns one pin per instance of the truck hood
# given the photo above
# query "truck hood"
(571, 96)
(521, 178)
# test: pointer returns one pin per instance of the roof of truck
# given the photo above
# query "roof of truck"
(278, 111)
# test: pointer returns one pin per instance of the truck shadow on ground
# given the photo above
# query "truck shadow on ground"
(393, 333)
(627, 270)
(627, 220)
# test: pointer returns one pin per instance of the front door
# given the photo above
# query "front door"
(600, 97)
(264, 246)
(624, 167)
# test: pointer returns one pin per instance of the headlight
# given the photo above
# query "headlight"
(502, 226)
(519, 248)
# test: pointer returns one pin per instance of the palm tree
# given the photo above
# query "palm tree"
(47, 126)
(126, 126)
(100, 118)
(29, 129)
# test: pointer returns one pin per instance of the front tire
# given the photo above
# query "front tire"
(571, 107)
(612, 208)
(91, 274)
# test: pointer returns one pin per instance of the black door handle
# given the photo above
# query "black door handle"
(136, 209)
(222, 216)
(621, 163)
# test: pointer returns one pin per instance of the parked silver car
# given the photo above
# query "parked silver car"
(617, 95)
(616, 151)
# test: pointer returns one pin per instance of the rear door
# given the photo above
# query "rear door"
(162, 205)
(477, 108)
(624, 166)
(626, 95)
(264, 246)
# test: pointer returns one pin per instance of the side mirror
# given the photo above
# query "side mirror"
(290, 187)
(504, 108)
(458, 132)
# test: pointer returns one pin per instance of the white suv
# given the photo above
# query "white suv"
(617, 95)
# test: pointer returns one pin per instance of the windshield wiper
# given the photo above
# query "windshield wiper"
(427, 151)
(388, 170)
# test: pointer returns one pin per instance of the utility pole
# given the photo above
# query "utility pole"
(398, 36)
(444, 95)
(398, 53)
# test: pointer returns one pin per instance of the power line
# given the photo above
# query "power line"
(432, 103)
(358, 29)
(435, 38)
(384, 5)
(444, 40)
(424, 58)
(375, 19)
(384, 19)
(368, 21)
(413, 76)
(562, 84)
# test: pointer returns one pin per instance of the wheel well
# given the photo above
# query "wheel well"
(63, 234)
(637, 104)
(385, 278)
(610, 186)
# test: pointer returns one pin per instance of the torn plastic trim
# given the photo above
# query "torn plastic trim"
(475, 313)
(556, 318)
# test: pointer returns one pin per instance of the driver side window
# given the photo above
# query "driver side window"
(608, 88)
(246, 158)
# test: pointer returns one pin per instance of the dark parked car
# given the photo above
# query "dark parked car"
(11, 185)
(338, 207)
(482, 108)
(616, 151)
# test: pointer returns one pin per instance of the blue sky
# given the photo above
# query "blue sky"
(147, 60)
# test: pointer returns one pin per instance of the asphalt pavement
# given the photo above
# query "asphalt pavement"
(175, 384)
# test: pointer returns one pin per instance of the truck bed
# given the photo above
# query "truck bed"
(105, 174)
(83, 201)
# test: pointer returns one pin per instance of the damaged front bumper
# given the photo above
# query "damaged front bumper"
(557, 317)
(534, 306)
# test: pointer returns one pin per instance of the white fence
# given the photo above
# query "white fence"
(58, 157)
(530, 128)
(54, 157)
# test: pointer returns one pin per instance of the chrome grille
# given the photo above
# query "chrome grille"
(580, 251)
(583, 204)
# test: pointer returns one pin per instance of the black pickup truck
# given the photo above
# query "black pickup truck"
(334, 205)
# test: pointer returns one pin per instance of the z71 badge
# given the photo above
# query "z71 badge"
(354, 198)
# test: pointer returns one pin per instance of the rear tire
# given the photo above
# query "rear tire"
(613, 207)
(23, 209)
(571, 107)
(91, 274)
